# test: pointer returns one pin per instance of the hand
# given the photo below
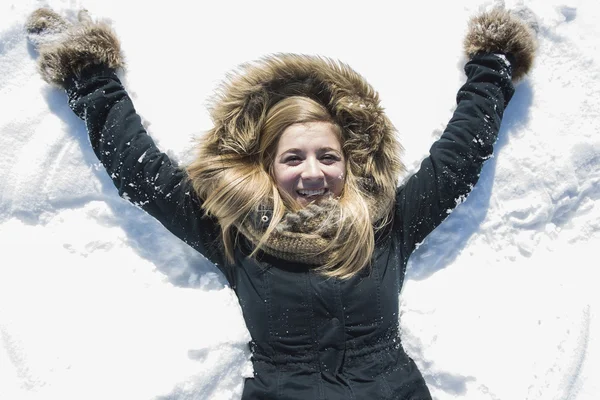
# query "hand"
(66, 49)
(502, 32)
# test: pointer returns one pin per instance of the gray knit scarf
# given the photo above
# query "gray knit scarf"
(306, 236)
(303, 236)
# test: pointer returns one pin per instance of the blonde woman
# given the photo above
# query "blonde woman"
(293, 195)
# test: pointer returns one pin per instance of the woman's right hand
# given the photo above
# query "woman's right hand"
(66, 49)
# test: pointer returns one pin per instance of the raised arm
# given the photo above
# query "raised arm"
(500, 48)
(83, 60)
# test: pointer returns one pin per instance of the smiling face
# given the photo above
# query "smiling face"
(309, 163)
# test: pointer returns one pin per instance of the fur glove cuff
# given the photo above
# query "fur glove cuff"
(499, 31)
(67, 49)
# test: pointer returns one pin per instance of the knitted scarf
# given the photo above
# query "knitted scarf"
(303, 236)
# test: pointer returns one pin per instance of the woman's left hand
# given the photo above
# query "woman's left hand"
(502, 32)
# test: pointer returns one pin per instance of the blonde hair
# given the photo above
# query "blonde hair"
(233, 184)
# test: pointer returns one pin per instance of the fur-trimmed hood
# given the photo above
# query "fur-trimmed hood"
(370, 144)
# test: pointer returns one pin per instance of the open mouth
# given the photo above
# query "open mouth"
(312, 193)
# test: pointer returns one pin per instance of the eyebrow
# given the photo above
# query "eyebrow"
(322, 149)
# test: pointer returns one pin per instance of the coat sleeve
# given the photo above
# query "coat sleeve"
(452, 168)
(141, 173)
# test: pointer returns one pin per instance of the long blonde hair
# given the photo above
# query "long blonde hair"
(233, 184)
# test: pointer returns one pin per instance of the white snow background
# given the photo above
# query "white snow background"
(99, 301)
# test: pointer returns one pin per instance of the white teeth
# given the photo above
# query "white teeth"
(309, 193)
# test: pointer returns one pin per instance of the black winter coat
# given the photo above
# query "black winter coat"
(312, 337)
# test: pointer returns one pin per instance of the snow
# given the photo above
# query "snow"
(98, 301)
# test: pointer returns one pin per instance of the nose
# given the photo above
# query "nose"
(312, 170)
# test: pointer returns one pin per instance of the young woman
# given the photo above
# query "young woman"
(293, 195)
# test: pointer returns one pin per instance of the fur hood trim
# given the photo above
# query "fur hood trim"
(370, 143)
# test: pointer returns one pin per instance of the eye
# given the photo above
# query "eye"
(330, 158)
(292, 160)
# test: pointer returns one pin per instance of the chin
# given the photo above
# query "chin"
(304, 201)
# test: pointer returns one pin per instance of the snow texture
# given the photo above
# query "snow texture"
(98, 301)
